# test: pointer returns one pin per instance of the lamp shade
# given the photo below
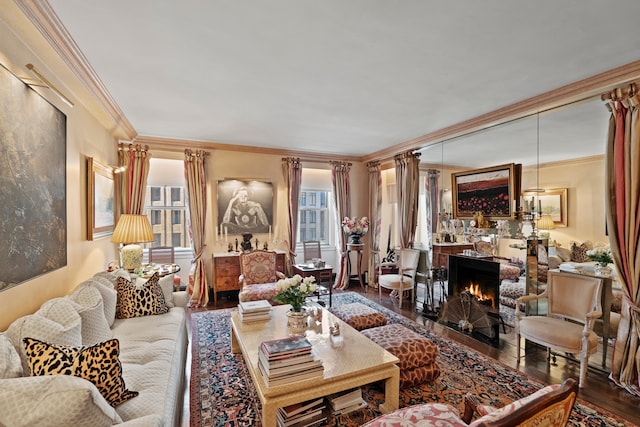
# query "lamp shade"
(132, 229)
(546, 222)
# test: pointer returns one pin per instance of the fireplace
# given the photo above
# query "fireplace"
(474, 296)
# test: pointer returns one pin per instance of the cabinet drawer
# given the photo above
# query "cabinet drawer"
(228, 270)
(227, 284)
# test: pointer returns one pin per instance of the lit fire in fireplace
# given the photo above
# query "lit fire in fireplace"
(474, 289)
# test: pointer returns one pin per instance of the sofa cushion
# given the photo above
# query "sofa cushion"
(109, 296)
(134, 301)
(166, 284)
(89, 305)
(10, 365)
(99, 364)
(58, 400)
(57, 321)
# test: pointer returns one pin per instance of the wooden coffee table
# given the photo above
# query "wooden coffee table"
(360, 361)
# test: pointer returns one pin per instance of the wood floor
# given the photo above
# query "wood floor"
(598, 390)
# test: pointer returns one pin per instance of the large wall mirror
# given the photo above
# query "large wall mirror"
(559, 149)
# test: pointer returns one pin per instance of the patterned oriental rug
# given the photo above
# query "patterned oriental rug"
(222, 393)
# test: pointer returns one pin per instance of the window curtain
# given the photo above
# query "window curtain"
(134, 159)
(292, 171)
(375, 218)
(408, 192)
(341, 194)
(623, 223)
(432, 206)
(195, 177)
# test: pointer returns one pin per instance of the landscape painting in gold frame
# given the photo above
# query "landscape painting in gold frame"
(100, 200)
(552, 202)
(491, 191)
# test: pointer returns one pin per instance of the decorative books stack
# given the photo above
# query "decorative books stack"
(254, 311)
(345, 402)
(286, 360)
(307, 414)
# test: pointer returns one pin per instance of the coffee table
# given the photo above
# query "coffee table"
(360, 361)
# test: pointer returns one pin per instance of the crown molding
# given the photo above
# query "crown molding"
(178, 145)
(43, 17)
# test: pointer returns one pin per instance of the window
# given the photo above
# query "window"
(316, 214)
(165, 203)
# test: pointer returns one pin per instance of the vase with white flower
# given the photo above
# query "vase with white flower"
(294, 291)
(355, 228)
(602, 256)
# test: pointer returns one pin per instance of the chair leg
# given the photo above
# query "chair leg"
(583, 371)
(518, 348)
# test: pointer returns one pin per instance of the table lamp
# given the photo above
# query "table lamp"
(546, 223)
(131, 230)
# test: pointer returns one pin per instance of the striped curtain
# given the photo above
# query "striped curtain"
(623, 223)
(408, 191)
(375, 218)
(132, 182)
(341, 196)
(292, 171)
(196, 180)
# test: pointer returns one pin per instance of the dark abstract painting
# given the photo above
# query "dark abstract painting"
(33, 207)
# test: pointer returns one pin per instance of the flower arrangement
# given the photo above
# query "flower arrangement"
(600, 255)
(355, 226)
(295, 290)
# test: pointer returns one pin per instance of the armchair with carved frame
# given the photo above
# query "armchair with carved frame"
(258, 276)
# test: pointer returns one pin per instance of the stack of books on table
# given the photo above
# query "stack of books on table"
(346, 401)
(253, 311)
(286, 360)
(305, 414)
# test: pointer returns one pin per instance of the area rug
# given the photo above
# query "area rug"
(222, 393)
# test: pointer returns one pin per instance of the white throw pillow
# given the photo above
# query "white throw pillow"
(10, 366)
(56, 322)
(166, 284)
(54, 400)
(109, 297)
(88, 304)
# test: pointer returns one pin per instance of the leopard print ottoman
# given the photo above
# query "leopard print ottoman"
(359, 316)
(416, 353)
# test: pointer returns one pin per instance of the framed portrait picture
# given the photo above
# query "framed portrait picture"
(244, 206)
(491, 191)
(100, 200)
(551, 202)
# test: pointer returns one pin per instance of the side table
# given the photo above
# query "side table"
(358, 248)
(321, 274)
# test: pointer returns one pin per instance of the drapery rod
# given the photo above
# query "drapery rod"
(48, 84)
(620, 92)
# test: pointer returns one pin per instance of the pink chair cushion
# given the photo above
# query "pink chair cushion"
(258, 292)
(437, 413)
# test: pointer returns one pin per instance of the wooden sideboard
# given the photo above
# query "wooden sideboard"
(226, 271)
(441, 252)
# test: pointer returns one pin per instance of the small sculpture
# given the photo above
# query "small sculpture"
(246, 241)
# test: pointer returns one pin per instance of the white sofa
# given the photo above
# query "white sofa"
(153, 350)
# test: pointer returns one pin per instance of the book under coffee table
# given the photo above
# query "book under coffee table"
(360, 361)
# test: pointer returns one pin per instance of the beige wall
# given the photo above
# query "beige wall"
(85, 137)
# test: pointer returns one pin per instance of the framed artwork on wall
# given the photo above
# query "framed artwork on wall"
(100, 200)
(33, 200)
(244, 206)
(552, 202)
(491, 191)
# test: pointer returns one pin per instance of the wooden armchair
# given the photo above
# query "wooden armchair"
(258, 276)
(549, 406)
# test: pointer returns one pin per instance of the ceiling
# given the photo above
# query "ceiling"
(352, 77)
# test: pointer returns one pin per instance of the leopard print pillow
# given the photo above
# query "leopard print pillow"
(134, 301)
(99, 364)
(579, 252)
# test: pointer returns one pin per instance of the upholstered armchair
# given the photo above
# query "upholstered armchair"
(258, 276)
(549, 406)
(573, 305)
(405, 279)
(507, 271)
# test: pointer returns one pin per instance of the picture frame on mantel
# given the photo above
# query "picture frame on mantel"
(101, 217)
(552, 202)
(491, 191)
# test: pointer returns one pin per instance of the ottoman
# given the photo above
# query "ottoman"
(416, 353)
(359, 316)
